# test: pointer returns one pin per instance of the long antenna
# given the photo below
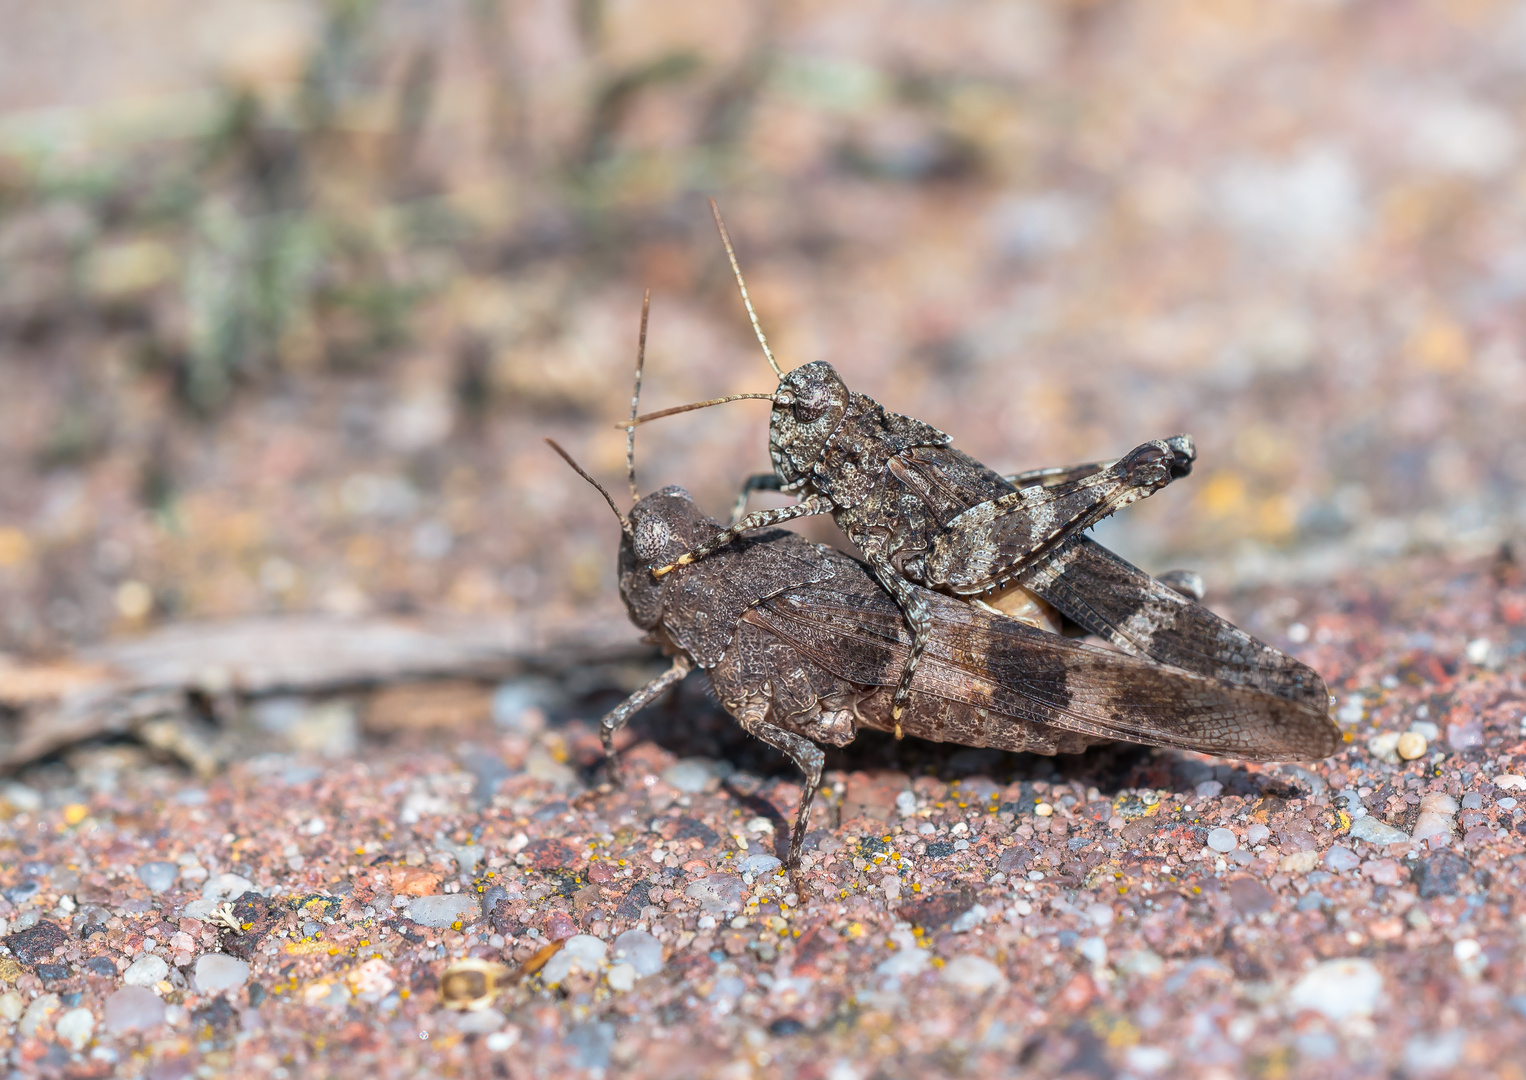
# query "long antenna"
(742, 287)
(676, 409)
(625, 525)
(630, 429)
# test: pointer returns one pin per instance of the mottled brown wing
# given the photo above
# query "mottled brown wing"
(994, 663)
(1116, 600)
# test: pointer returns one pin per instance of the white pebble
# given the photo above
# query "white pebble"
(442, 911)
(133, 1008)
(1100, 914)
(1339, 989)
(499, 1041)
(217, 972)
(692, 775)
(906, 803)
(75, 1027)
(1094, 949)
(621, 978)
(1222, 840)
(973, 974)
(146, 971)
(1257, 834)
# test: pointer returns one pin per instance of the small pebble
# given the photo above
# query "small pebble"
(972, 974)
(75, 1027)
(1208, 789)
(583, 952)
(37, 1013)
(1411, 745)
(1222, 840)
(1339, 989)
(903, 963)
(482, 1022)
(640, 950)
(218, 972)
(691, 775)
(1340, 858)
(133, 1008)
(442, 911)
(12, 1005)
(1043, 809)
(1257, 834)
(146, 970)
(621, 978)
(158, 876)
(759, 864)
(499, 1041)
(226, 887)
(1094, 949)
(906, 803)
(1374, 831)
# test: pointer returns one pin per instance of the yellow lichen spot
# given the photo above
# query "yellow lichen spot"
(75, 813)
(15, 548)
(1438, 345)
(916, 886)
(937, 961)
(456, 925)
(405, 993)
(364, 943)
(335, 950)
(1197, 888)
(1223, 496)
(856, 930)
(622, 862)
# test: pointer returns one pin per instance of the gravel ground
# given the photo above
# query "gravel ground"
(1123, 913)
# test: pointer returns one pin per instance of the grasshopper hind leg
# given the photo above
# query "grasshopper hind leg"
(808, 758)
(913, 606)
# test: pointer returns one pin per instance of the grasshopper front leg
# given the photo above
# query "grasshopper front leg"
(759, 519)
(619, 716)
(989, 544)
(757, 482)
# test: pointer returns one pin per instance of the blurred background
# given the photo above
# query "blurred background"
(291, 290)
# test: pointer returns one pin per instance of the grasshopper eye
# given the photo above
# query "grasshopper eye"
(810, 406)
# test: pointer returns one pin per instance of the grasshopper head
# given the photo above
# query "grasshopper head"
(808, 406)
(663, 526)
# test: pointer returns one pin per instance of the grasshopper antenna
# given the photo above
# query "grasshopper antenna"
(630, 429)
(630, 425)
(625, 523)
(742, 288)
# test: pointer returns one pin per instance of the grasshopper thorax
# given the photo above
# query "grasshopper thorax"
(809, 406)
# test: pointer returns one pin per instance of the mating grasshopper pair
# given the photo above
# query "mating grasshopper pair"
(805, 645)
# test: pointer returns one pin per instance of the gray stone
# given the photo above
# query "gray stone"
(1208, 789)
(1437, 1053)
(217, 973)
(1374, 831)
(1342, 858)
(158, 876)
(443, 911)
(590, 1044)
(147, 970)
(717, 893)
(133, 1008)
(641, 950)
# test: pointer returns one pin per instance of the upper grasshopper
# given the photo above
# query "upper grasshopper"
(924, 513)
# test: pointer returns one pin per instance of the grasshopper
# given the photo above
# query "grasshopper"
(804, 646)
(923, 513)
